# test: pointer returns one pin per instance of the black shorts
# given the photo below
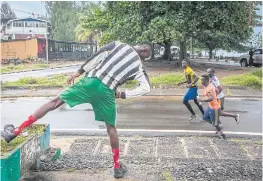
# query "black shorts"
(222, 102)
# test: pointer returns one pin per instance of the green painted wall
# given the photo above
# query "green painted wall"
(10, 167)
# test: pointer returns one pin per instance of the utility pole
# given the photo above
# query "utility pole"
(46, 39)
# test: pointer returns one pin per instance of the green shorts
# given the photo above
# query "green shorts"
(92, 90)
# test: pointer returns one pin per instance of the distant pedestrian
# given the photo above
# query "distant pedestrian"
(192, 93)
(220, 95)
(251, 53)
(213, 111)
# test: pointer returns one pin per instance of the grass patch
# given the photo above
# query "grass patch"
(32, 130)
(167, 176)
(258, 142)
(21, 67)
(251, 80)
(56, 80)
(167, 79)
(70, 170)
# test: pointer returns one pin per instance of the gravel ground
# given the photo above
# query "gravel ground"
(175, 169)
(155, 159)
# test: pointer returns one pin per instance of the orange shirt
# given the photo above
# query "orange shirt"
(212, 90)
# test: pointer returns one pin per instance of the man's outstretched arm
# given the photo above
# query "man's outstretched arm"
(144, 87)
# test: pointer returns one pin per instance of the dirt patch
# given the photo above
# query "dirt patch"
(156, 68)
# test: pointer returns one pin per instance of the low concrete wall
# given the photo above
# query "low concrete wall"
(17, 162)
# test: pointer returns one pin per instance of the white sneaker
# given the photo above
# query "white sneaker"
(193, 117)
(237, 119)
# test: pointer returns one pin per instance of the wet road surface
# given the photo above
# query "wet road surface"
(38, 73)
(135, 114)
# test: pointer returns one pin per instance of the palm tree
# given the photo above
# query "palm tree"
(82, 33)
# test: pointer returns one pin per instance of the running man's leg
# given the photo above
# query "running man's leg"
(199, 106)
(215, 115)
(207, 115)
(189, 107)
(187, 97)
(227, 114)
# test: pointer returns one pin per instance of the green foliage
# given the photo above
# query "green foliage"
(91, 21)
(213, 24)
(63, 18)
(6, 11)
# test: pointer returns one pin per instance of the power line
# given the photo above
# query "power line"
(34, 14)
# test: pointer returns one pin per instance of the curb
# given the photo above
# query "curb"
(155, 133)
(153, 97)
(59, 86)
(40, 69)
(31, 87)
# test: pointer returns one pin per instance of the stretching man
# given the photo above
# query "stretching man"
(192, 93)
(220, 95)
(106, 70)
(213, 111)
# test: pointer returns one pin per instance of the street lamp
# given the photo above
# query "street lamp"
(46, 36)
(46, 40)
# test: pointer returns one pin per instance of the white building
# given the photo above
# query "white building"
(25, 28)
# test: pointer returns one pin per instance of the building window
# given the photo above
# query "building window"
(42, 24)
(37, 24)
(20, 24)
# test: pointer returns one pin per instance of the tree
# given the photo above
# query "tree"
(132, 22)
(82, 32)
(63, 18)
(6, 11)
(255, 41)
(211, 24)
(223, 25)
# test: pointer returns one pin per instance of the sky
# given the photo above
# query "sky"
(29, 6)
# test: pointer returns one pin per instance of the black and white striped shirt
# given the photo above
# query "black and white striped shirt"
(115, 64)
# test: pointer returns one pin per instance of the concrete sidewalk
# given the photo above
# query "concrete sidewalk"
(154, 158)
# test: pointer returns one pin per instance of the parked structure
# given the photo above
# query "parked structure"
(34, 48)
(24, 28)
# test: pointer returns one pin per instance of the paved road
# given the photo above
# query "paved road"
(38, 73)
(135, 114)
(232, 64)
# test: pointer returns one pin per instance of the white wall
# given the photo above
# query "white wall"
(25, 30)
